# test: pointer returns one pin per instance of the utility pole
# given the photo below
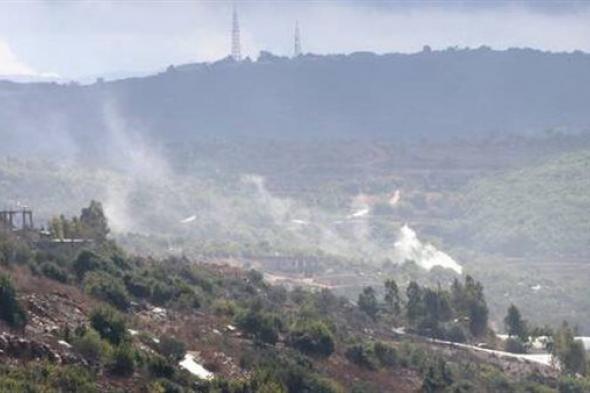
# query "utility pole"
(297, 43)
(236, 50)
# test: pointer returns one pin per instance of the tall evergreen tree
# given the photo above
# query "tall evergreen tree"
(392, 296)
(569, 352)
(367, 302)
(414, 306)
(94, 221)
(515, 325)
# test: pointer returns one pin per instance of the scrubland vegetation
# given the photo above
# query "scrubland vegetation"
(289, 340)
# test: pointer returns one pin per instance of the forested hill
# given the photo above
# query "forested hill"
(427, 94)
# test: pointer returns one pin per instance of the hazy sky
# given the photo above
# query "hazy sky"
(85, 37)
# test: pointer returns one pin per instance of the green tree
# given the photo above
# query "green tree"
(94, 222)
(385, 354)
(123, 360)
(172, 348)
(475, 306)
(263, 326)
(312, 338)
(56, 228)
(437, 377)
(87, 261)
(437, 310)
(91, 347)
(367, 302)
(569, 352)
(391, 297)
(414, 306)
(10, 309)
(515, 325)
(109, 324)
(107, 288)
(478, 317)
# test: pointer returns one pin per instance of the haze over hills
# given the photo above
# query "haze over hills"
(432, 94)
(303, 157)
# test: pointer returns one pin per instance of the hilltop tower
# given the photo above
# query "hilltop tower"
(297, 43)
(236, 50)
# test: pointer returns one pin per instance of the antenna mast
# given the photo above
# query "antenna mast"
(236, 51)
(297, 44)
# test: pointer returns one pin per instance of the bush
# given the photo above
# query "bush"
(364, 387)
(109, 324)
(14, 251)
(224, 307)
(312, 339)
(10, 309)
(172, 348)
(514, 345)
(162, 293)
(188, 300)
(255, 277)
(166, 386)
(361, 356)
(160, 367)
(385, 354)
(107, 288)
(437, 376)
(574, 385)
(263, 326)
(87, 261)
(91, 347)
(123, 361)
(72, 379)
(138, 286)
(455, 334)
(51, 270)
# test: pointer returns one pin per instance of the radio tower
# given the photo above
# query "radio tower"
(236, 52)
(297, 46)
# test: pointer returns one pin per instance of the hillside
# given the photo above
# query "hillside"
(432, 94)
(93, 318)
(536, 209)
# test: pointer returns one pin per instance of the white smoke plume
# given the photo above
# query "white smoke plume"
(409, 247)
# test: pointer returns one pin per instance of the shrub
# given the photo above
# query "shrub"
(361, 356)
(385, 354)
(255, 277)
(138, 286)
(263, 326)
(364, 387)
(188, 300)
(172, 348)
(51, 270)
(72, 379)
(165, 386)
(107, 288)
(162, 293)
(574, 385)
(123, 360)
(437, 376)
(10, 309)
(455, 334)
(85, 262)
(160, 367)
(109, 324)
(90, 346)
(463, 386)
(224, 307)
(514, 345)
(14, 251)
(313, 338)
